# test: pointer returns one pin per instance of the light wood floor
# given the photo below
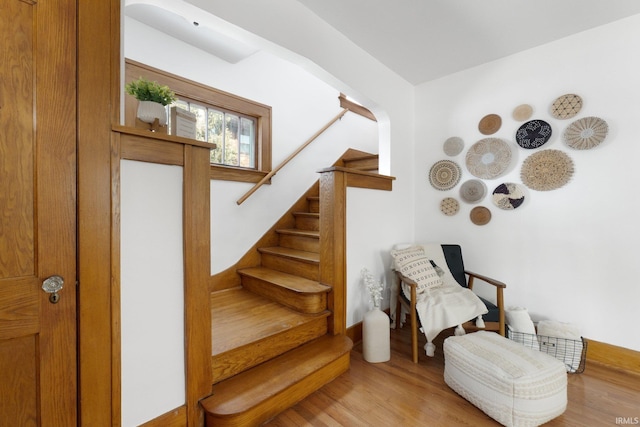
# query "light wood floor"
(399, 392)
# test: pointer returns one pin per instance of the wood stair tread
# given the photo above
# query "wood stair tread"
(289, 281)
(246, 390)
(310, 257)
(311, 214)
(299, 232)
(240, 317)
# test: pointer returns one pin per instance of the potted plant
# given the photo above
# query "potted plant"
(152, 99)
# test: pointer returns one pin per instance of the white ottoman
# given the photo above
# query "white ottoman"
(514, 385)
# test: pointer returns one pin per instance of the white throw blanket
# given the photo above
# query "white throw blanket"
(444, 306)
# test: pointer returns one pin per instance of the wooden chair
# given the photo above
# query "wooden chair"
(494, 319)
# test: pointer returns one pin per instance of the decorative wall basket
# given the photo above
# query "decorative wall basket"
(546, 170)
(473, 191)
(444, 175)
(566, 106)
(533, 134)
(522, 112)
(449, 206)
(453, 146)
(480, 215)
(586, 133)
(490, 124)
(488, 158)
(508, 196)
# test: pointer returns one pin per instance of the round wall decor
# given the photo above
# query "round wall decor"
(490, 124)
(508, 196)
(449, 206)
(586, 133)
(546, 170)
(480, 215)
(444, 175)
(453, 146)
(533, 134)
(488, 158)
(566, 106)
(472, 191)
(522, 112)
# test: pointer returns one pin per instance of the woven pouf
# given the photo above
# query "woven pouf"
(514, 385)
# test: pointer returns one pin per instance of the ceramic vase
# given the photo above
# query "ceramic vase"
(375, 336)
(148, 111)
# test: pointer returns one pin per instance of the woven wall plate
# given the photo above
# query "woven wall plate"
(480, 215)
(473, 191)
(488, 158)
(449, 206)
(490, 124)
(453, 146)
(508, 196)
(566, 106)
(586, 133)
(546, 170)
(533, 134)
(522, 112)
(444, 175)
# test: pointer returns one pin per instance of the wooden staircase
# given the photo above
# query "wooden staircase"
(271, 346)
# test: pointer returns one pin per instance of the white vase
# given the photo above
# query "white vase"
(148, 111)
(376, 345)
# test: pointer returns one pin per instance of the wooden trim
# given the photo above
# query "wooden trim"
(333, 238)
(98, 98)
(614, 357)
(197, 261)
(356, 108)
(363, 179)
(174, 418)
(230, 173)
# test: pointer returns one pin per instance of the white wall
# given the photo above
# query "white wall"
(376, 219)
(151, 291)
(568, 254)
(302, 59)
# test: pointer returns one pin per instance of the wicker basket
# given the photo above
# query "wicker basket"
(573, 353)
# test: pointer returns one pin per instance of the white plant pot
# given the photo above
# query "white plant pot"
(148, 111)
(376, 344)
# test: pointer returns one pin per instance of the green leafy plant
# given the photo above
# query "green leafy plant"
(145, 90)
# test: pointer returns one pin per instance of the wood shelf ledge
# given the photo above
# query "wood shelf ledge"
(127, 130)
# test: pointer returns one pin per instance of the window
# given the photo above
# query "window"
(234, 134)
(240, 128)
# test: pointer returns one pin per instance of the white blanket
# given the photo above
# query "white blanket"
(445, 306)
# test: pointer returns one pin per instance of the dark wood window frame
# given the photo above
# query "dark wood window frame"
(207, 95)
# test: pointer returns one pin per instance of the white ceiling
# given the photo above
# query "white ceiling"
(422, 40)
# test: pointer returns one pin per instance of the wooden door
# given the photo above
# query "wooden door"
(38, 360)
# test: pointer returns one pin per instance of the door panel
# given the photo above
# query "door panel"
(37, 212)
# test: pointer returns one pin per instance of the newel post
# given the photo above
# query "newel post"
(333, 254)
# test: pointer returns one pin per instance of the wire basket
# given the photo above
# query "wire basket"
(573, 353)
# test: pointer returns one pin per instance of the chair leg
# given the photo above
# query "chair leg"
(414, 335)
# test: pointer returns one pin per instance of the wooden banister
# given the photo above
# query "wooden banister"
(268, 176)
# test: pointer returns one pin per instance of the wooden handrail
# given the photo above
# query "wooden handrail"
(268, 176)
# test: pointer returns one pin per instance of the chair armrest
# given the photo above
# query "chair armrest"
(489, 280)
(405, 279)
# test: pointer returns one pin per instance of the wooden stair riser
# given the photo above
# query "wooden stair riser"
(307, 221)
(308, 303)
(314, 204)
(301, 268)
(272, 406)
(240, 359)
(300, 242)
(255, 396)
(368, 163)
